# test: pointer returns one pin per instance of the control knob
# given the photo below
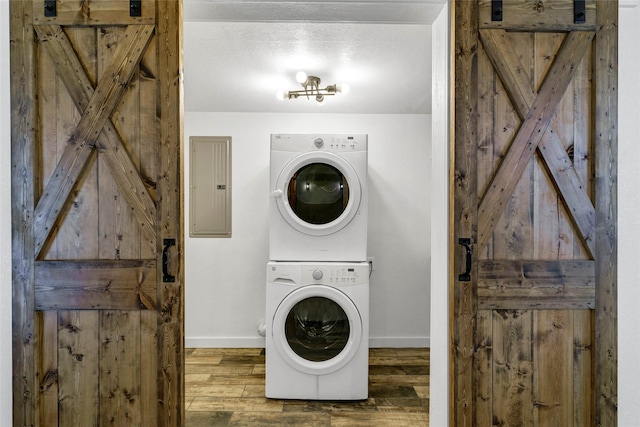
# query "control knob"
(317, 274)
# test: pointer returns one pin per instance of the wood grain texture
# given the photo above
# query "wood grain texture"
(149, 132)
(87, 285)
(583, 357)
(75, 234)
(464, 209)
(514, 229)
(24, 136)
(513, 369)
(540, 262)
(95, 329)
(133, 205)
(48, 367)
(582, 147)
(171, 295)
(606, 187)
(556, 234)
(569, 185)
(225, 386)
(489, 145)
(149, 367)
(120, 354)
(78, 367)
(530, 133)
(88, 130)
(535, 284)
(553, 362)
(483, 369)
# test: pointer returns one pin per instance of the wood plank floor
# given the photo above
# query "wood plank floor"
(225, 387)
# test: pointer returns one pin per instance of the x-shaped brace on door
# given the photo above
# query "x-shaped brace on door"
(536, 111)
(94, 129)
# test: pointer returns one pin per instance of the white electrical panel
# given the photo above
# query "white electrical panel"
(210, 186)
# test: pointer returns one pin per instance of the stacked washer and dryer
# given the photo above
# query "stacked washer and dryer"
(317, 311)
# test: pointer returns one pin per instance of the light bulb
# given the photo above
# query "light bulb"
(343, 88)
(301, 77)
(281, 94)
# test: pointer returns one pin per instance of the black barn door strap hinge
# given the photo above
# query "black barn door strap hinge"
(135, 8)
(49, 8)
(579, 11)
(496, 10)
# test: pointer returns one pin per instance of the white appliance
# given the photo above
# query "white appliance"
(317, 342)
(318, 207)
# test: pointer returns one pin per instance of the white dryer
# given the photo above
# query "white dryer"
(317, 343)
(318, 207)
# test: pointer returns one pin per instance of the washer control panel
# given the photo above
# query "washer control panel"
(337, 274)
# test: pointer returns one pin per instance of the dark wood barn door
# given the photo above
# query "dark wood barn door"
(97, 219)
(534, 187)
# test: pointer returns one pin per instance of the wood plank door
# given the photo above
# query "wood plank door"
(97, 217)
(534, 213)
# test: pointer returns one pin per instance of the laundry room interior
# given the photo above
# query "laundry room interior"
(226, 276)
(398, 238)
(395, 57)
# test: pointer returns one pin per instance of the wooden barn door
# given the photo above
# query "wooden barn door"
(97, 219)
(534, 217)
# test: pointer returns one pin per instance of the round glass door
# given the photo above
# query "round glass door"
(318, 193)
(317, 329)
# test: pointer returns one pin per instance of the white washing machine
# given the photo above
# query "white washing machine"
(318, 207)
(317, 343)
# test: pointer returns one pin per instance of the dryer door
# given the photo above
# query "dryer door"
(318, 193)
(317, 329)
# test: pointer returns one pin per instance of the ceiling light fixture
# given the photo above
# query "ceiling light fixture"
(311, 88)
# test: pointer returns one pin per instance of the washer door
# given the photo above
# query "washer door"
(318, 193)
(317, 329)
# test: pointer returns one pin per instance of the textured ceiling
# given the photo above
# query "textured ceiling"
(238, 54)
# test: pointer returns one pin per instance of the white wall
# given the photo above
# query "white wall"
(439, 335)
(628, 218)
(225, 278)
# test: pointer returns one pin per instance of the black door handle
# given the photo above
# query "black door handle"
(466, 276)
(166, 277)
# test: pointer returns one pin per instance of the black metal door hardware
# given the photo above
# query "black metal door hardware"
(466, 276)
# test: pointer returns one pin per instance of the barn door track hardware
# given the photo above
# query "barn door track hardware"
(135, 8)
(579, 11)
(50, 8)
(496, 10)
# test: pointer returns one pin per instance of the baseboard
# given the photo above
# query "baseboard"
(224, 342)
(399, 342)
(258, 342)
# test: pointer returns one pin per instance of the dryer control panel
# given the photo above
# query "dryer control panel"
(334, 143)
